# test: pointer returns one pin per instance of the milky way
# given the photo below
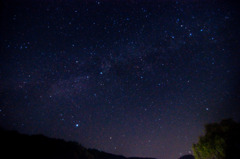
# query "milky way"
(136, 78)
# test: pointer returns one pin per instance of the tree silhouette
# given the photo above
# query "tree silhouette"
(221, 141)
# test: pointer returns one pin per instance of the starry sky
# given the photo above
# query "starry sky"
(130, 77)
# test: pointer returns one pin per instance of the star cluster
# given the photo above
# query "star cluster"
(136, 78)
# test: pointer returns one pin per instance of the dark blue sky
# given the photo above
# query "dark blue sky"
(136, 78)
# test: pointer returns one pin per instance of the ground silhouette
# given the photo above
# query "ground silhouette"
(187, 157)
(16, 145)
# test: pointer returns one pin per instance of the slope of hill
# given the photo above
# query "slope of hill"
(17, 145)
(187, 157)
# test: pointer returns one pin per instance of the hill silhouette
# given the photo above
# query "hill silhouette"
(187, 157)
(16, 145)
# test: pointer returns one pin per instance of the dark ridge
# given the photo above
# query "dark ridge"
(187, 157)
(140, 158)
(16, 145)
(104, 155)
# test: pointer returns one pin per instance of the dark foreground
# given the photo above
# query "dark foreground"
(17, 145)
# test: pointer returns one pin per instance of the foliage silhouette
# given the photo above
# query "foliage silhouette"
(221, 141)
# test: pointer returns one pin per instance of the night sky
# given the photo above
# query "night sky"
(136, 78)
